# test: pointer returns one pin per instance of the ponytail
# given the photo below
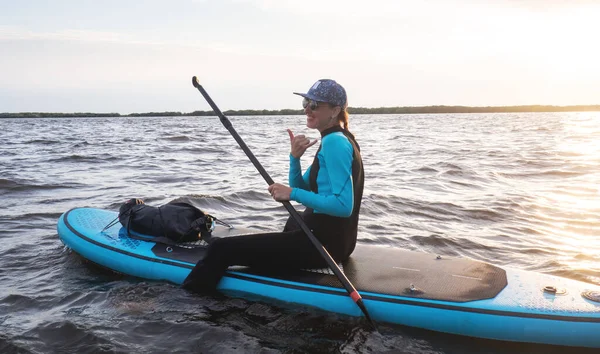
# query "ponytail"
(343, 118)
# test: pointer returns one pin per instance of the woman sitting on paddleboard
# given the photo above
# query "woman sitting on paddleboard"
(331, 190)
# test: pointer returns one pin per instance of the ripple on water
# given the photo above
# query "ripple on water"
(513, 189)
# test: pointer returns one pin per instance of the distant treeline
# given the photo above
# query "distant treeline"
(351, 110)
(467, 109)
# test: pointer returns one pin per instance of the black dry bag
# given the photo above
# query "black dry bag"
(171, 223)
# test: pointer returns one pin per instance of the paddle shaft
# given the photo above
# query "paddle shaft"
(322, 250)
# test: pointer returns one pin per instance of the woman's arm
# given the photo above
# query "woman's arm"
(296, 179)
(337, 154)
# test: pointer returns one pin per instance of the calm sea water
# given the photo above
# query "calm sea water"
(512, 189)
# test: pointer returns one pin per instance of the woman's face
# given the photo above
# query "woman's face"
(319, 116)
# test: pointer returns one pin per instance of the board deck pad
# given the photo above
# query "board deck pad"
(382, 270)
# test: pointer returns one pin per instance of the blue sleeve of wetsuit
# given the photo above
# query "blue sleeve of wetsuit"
(296, 179)
(337, 154)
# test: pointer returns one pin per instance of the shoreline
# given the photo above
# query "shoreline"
(351, 110)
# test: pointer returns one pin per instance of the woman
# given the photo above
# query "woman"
(331, 190)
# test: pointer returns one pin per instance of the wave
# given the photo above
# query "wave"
(548, 173)
(24, 186)
(426, 169)
(7, 345)
(7, 183)
(80, 145)
(44, 142)
(30, 217)
(19, 302)
(84, 158)
(176, 138)
(66, 336)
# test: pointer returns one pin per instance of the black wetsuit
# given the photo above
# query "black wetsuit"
(291, 248)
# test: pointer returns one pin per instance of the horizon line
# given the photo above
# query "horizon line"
(432, 109)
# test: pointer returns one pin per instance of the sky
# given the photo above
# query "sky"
(139, 56)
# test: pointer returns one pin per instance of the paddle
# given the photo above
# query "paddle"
(330, 262)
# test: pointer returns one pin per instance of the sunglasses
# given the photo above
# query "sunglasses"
(312, 104)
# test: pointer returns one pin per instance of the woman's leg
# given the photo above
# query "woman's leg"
(291, 249)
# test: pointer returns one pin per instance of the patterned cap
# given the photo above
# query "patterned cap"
(326, 90)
